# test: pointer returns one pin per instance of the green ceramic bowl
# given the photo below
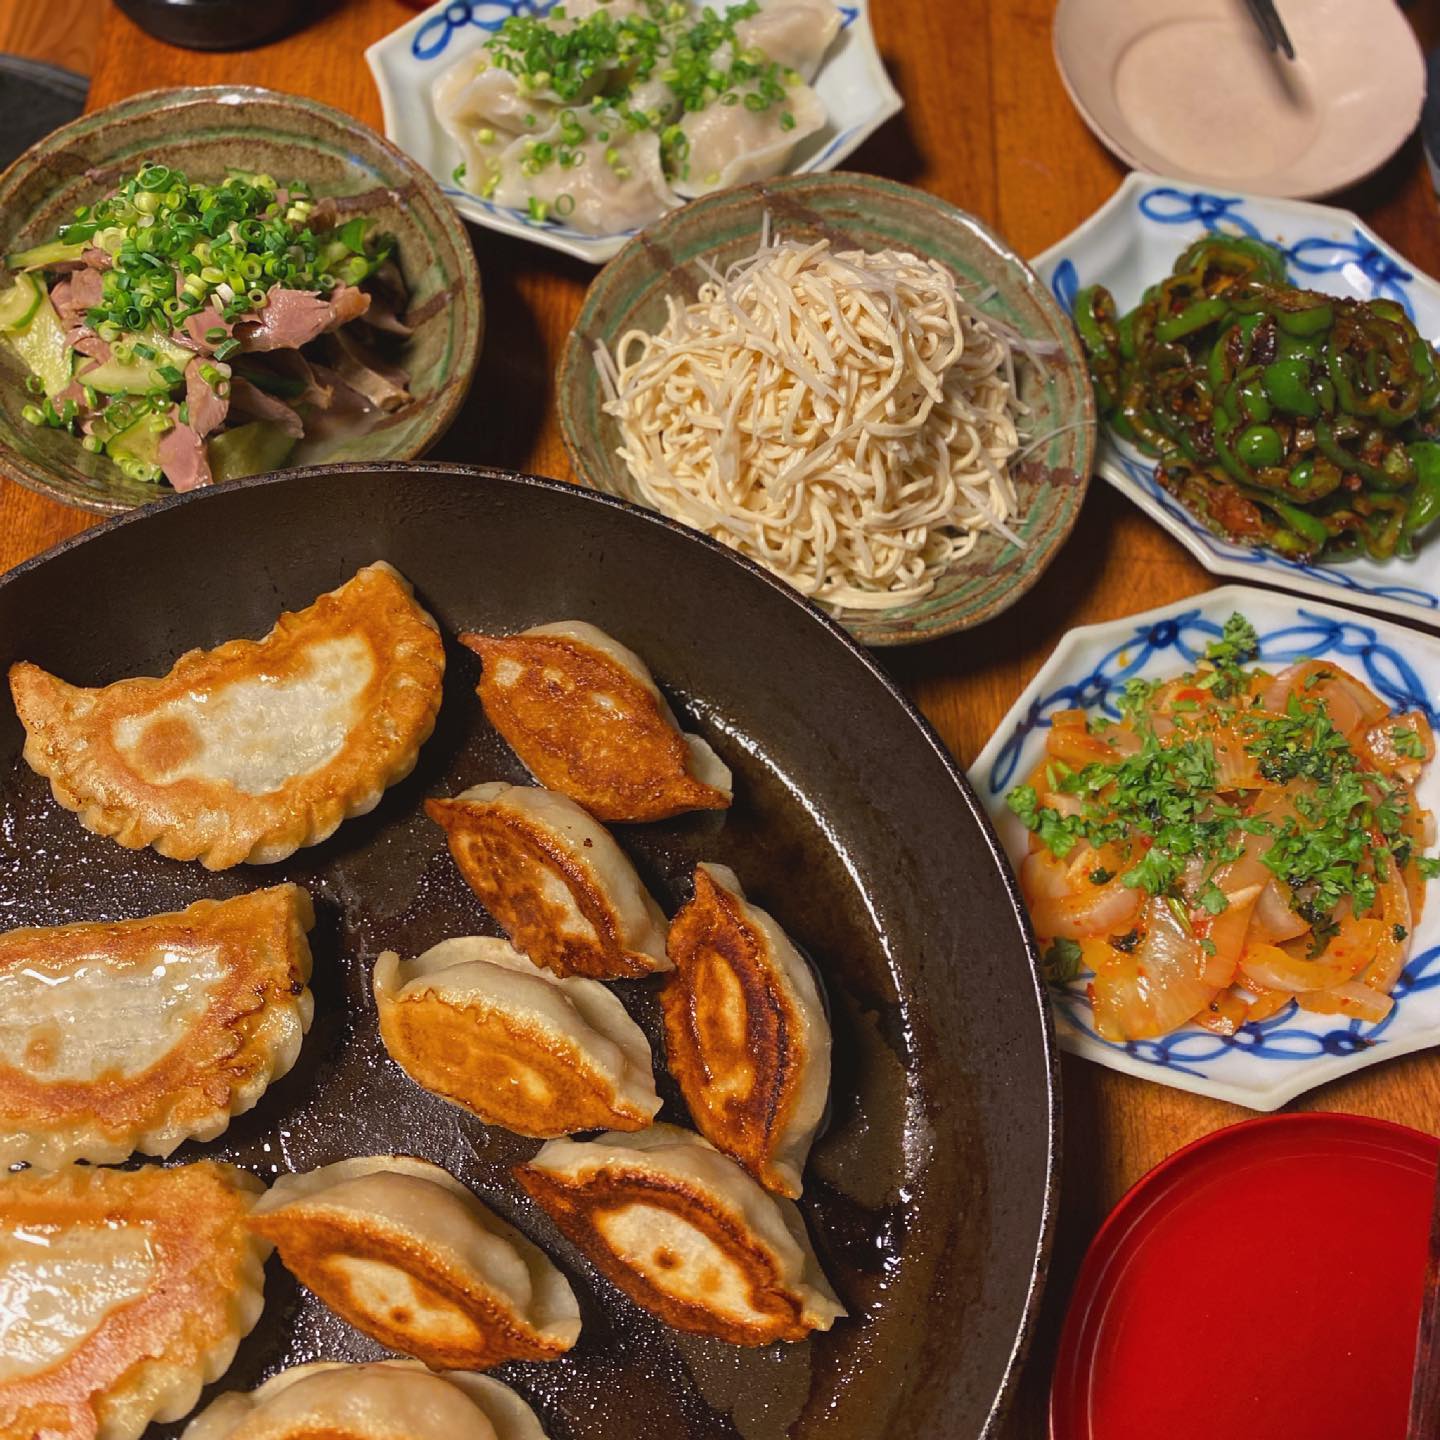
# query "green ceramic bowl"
(858, 211)
(204, 132)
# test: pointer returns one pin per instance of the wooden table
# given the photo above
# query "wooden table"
(987, 126)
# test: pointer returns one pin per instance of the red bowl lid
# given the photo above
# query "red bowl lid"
(1263, 1283)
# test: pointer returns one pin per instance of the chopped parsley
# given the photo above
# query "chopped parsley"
(1172, 813)
(1061, 962)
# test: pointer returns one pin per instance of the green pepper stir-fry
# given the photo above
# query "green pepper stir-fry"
(1281, 417)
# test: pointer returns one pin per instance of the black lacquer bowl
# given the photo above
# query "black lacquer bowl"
(929, 1195)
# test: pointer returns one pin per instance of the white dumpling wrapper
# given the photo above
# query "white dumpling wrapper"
(732, 144)
(606, 198)
(383, 1399)
(793, 33)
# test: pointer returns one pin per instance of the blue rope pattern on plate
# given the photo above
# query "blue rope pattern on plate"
(430, 40)
(1313, 255)
(1173, 645)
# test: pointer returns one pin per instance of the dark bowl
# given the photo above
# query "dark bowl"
(930, 1195)
(216, 24)
(204, 131)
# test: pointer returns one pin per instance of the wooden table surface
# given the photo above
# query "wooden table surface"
(988, 126)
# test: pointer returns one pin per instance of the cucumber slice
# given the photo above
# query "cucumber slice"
(41, 347)
(248, 450)
(139, 443)
(125, 377)
(136, 376)
(55, 252)
(19, 304)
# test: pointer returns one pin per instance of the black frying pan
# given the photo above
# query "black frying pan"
(930, 1194)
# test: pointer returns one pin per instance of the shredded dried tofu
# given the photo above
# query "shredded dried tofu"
(848, 420)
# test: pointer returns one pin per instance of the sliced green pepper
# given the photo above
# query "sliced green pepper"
(1287, 383)
(1192, 318)
(1301, 521)
(1424, 506)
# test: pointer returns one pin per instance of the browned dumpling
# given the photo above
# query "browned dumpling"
(245, 753)
(585, 716)
(745, 1031)
(685, 1233)
(407, 1254)
(144, 1285)
(477, 1023)
(138, 1034)
(555, 880)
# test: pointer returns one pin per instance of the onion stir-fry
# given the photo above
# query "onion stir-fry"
(1234, 842)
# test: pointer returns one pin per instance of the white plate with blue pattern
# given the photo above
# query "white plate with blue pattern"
(1263, 1065)
(1133, 240)
(852, 83)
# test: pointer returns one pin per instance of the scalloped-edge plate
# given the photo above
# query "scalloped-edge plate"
(1132, 241)
(852, 83)
(1264, 1065)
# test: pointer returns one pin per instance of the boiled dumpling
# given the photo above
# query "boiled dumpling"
(122, 1293)
(138, 1034)
(246, 752)
(481, 1026)
(472, 96)
(558, 885)
(385, 1400)
(685, 1233)
(793, 33)
(616, 184)
(407, 1254)
(729, 144)
(583, 713)
(745, 1031)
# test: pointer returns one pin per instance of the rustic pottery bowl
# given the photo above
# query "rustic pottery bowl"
(204, 132)
(859, 211)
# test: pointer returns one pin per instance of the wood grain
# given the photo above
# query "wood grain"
(59, 32)
(987, 126)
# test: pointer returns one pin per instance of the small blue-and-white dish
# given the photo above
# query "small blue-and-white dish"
(1133, 240)
(1268, 1063)
(851, 83)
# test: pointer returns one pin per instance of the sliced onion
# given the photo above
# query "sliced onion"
(1157, 987)
(1274, 969)
(1352, 998)
(1273, 918)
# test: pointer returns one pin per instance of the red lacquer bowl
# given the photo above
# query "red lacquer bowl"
(1263, 1283)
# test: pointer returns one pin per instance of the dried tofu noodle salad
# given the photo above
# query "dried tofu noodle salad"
(1234, 843)
(848, 419)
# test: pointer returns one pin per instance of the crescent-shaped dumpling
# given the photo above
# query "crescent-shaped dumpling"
(481, 1026)
(386, 1400)
(585, 716)
(245, 753)
(407, 1254)
(555, 881)
(685, 1233)
(122, 1293)
(138, 1034)
(745, 1031)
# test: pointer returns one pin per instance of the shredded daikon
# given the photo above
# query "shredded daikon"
(848, 420)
